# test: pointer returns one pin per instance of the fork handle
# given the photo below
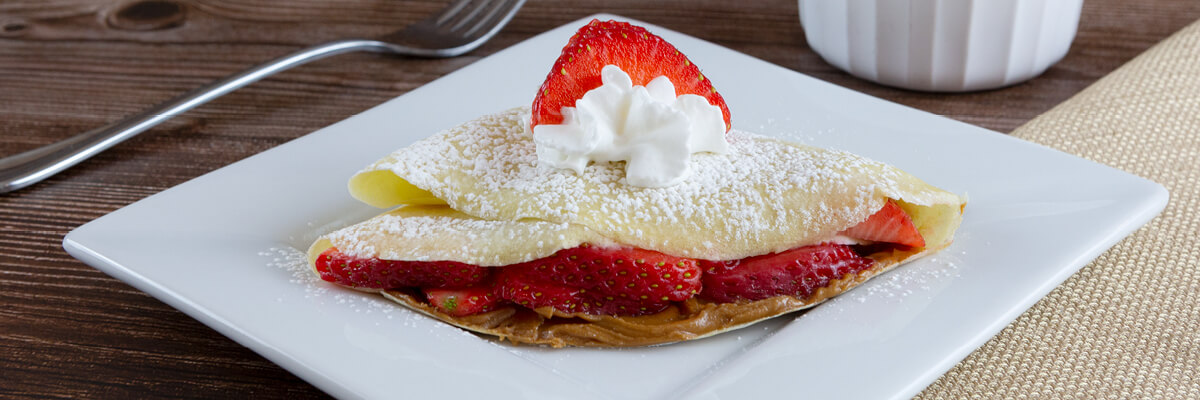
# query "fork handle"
(24, 169)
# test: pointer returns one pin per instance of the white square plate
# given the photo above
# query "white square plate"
(1036, 216)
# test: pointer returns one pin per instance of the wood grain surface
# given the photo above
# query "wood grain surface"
(67, 330)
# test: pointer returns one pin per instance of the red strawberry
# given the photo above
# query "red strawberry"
(797, 272)
(890, 224)
(529, 291)
(618, 270)
(641, 54)
(460, 302)
(533, 292)
(597, 280)
(373, 273)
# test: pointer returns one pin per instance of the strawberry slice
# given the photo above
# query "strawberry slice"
(460, 302)
(890, 224)
(597, 280)
(373, 273)
(796, 272)
(534, 292)
(618, 270)
(641, 54)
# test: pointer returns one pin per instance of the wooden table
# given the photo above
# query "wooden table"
(67, 330)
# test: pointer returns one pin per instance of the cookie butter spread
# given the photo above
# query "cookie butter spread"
(692, 319)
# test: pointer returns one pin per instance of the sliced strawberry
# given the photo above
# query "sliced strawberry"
(597, 280)
(641, 54)
(796, 272)
(530, 292)
(373, 273)
(890, 224)
(618, 270)
(460, 302)
(535, 292)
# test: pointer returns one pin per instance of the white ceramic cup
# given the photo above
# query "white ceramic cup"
(941, 45)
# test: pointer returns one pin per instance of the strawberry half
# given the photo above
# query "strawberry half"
(595, 280)
(460, 302)
(641, 54)
(373, 273)
(890, 224)
(796, 272)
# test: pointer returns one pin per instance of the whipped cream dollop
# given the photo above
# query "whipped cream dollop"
(648, 127)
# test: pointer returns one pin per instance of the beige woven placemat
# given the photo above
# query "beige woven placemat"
(1127, 326)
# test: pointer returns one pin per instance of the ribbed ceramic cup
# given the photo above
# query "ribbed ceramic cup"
(941, 45)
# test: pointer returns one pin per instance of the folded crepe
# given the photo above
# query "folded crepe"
(475, 194)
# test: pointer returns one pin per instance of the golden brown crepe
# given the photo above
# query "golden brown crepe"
(475, 194)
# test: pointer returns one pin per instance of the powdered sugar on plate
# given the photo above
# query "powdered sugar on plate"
(295, 262)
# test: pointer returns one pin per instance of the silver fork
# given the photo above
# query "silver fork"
(462, 26)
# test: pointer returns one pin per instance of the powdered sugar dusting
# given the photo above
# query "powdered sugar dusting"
(766, 195)
(914, 284)
(295, 262)
(933, 272)
(433, 233)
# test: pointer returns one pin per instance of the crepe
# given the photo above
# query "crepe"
(475, 194)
